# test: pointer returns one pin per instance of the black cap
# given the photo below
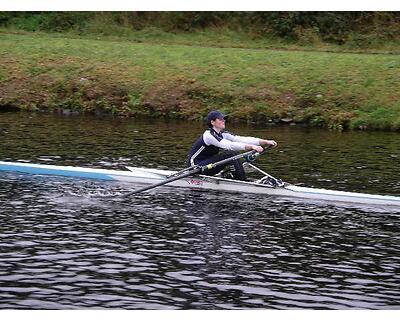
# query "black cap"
(213, 115)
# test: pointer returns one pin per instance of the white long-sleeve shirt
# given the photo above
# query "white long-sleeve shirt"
(211, 142)
(229, 141)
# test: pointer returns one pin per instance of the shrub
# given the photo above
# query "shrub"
(380, 118)
(64, 21)
(362, 41)
(307, 36)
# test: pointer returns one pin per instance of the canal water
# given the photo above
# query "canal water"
(63, 245)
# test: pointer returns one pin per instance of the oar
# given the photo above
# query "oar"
(194, 170)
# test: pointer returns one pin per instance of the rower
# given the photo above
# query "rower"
(207, 148)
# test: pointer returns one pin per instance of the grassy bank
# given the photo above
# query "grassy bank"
(336, 90)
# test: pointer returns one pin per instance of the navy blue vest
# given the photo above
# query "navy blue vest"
(200, 151)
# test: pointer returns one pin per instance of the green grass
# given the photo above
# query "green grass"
(336, 90)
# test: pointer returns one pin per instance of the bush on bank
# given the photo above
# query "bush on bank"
(350, 30)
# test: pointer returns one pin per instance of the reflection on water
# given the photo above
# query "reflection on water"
(63, 245)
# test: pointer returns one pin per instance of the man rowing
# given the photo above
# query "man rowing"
(207, 147)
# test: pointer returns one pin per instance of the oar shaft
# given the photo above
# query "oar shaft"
(191, 171)
(221, 162)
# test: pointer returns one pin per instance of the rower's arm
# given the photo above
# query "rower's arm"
(246, 140)
(223, 143)
(249, 140)
(226, 144)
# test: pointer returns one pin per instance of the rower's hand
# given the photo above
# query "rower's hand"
(259, 149)
(271, 143)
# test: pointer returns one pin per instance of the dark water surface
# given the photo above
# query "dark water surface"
(64, 247)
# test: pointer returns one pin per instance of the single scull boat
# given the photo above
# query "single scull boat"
(154, 176)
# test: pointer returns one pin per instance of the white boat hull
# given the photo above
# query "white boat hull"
(150, 176)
